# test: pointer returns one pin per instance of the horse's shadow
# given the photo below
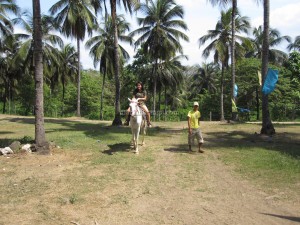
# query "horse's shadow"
(118, 147)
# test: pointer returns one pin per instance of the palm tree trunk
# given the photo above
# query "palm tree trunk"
(222, 118)
(40, 138)
(4, 105)
(155, 86)
(117, 120)
(63, 99)
(267, 126)
(166, 102)
(234, 8)
(102, 94)
(78, 79)
(257, 104)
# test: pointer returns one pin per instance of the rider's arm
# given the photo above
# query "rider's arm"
(142, 99)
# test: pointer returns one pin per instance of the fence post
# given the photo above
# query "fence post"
(210, 115)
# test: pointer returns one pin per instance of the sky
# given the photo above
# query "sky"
(200, 16)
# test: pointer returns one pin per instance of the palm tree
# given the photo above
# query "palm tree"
(65, 69)
(129, 5)
(232, 49)
(159, 33)
(205, 78)
(101, 49)
(75, 18)
(267, 126)
(220, 45)
(49, 41)
(10, 71)
(275, 56)
(295, 45)
(40, 137)
(170, 74)
(7, 6)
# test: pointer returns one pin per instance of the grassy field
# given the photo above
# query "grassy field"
(94, 167)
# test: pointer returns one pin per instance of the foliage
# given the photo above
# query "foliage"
(293, 64)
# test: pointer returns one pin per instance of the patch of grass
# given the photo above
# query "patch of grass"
(273, 167)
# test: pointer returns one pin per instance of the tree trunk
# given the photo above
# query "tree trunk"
(166, 100)
(159, 99)
(222, 118)
(257, 104)
(63, 99)
(78, 79)
(234, 8)
(40, 138)
(155, 86)
(4, 102)
(102, 94)
(117, 120)
(267, 126)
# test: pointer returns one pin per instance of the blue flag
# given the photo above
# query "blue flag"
(235, 91)
(270, 81)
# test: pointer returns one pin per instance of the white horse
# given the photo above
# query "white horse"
(137, 123)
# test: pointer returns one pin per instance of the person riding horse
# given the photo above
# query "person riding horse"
(141, 95)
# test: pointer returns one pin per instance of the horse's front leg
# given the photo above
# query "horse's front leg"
(143, 132)
(136, 142)
(132, 138)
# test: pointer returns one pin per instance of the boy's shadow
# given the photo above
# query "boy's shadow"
(179, 149)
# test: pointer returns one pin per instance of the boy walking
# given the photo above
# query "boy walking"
(194, 129)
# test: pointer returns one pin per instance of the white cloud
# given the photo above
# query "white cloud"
(286, 19)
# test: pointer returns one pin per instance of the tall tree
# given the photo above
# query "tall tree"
(40, 137)
(75, 18)
(267, 126)
(220, 45)
(129, 5)
(65, 69)
(160, 34)
(232, 49)
(10, 70)
(102, 51)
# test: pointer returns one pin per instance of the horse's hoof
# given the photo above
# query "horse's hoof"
(136, 152)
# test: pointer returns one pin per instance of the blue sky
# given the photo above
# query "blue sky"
(200, 16)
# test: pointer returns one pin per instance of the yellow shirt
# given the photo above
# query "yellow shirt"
(194, 118)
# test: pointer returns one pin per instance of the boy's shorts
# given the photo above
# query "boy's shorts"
(195, 133)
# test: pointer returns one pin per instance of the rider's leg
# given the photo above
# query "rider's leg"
(145, 109)
(127, 117)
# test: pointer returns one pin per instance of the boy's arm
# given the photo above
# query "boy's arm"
(189, 124)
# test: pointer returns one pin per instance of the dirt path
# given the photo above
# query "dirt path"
(208, 193)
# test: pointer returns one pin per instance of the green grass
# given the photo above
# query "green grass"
(109, 145)
(270, 161)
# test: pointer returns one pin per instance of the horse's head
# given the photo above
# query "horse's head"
(134, 108)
